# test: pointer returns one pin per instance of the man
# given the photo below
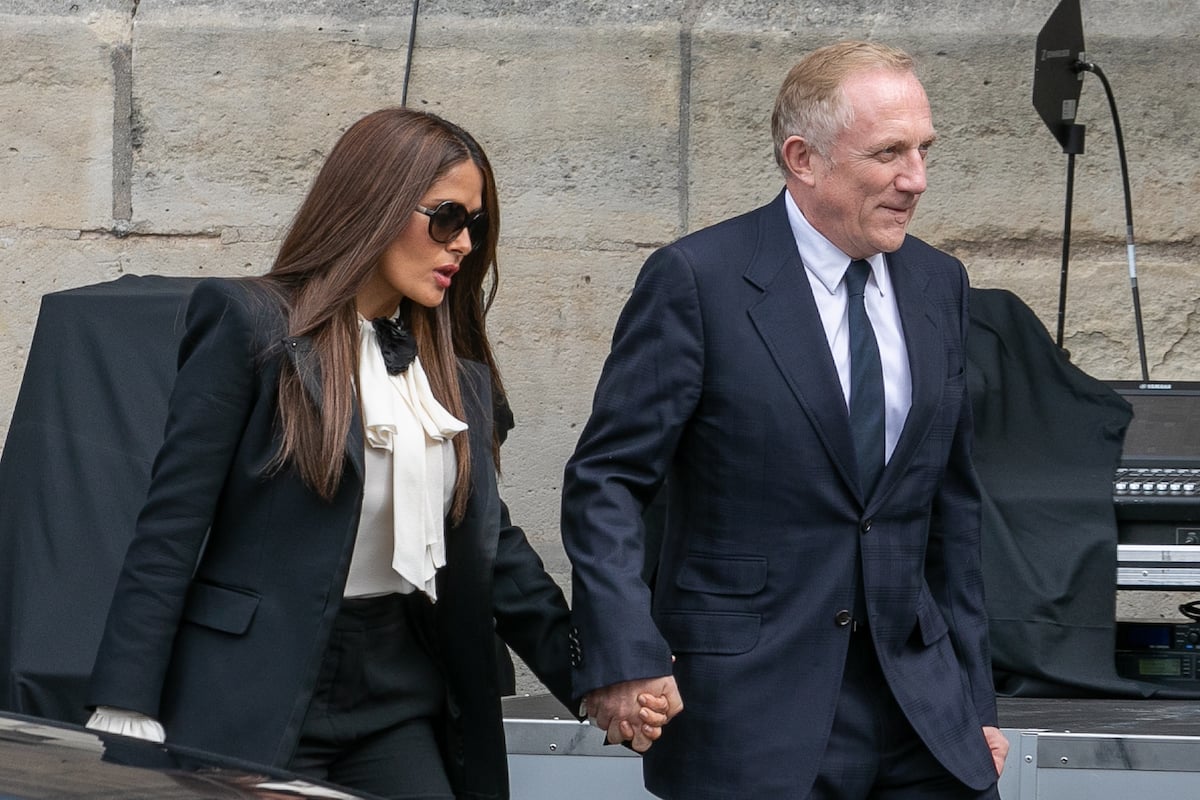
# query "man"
(818, 603)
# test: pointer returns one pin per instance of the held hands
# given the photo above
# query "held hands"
(635, 711)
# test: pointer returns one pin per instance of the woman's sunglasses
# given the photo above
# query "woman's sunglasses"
(448, 218)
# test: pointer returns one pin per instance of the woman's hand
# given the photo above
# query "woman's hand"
(635, 711)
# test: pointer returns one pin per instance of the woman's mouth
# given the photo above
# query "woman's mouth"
(444, 274)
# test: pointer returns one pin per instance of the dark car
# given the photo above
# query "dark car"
(45, 760)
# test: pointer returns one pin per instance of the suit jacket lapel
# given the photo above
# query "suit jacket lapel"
(788, 321)
(926, 359)
(300, 352)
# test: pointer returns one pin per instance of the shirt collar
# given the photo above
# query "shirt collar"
(822, 257)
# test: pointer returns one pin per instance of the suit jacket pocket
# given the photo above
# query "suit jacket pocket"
(720, 574)
(220, 607)
(715, 632)
(930, 623)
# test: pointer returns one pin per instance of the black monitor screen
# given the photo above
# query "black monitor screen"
(1165, 429)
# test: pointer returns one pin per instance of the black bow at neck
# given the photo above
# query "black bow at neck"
(396, 343)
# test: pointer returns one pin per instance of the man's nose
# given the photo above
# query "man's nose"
(911, 179)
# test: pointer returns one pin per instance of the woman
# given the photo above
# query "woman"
(323, 561)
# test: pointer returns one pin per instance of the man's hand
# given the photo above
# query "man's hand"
(635, 711)
(998, 745)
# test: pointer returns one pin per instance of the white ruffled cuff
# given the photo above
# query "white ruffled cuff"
(127, 723)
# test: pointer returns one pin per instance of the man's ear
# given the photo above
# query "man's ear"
(798, 159)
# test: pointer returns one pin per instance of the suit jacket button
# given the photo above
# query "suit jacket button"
(843, 618)
(866, 525)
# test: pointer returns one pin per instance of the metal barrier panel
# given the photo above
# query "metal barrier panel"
(559, 758)
(551, 757)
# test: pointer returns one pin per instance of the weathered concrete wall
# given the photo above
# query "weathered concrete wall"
(177, 137)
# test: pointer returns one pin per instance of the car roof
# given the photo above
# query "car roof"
(45, 760)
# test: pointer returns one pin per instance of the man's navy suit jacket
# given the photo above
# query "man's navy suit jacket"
(721, 379)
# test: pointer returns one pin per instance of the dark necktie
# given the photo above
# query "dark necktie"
(866, 381)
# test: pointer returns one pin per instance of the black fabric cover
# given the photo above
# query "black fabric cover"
(1047, 441)
(73, 475)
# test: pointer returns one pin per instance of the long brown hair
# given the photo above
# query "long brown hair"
(363, 197)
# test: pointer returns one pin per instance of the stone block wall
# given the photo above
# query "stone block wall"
(178, 136)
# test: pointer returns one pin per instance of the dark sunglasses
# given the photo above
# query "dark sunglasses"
(449, 218)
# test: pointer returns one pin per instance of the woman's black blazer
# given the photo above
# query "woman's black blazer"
(223, 607)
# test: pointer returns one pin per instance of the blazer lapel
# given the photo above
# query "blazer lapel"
(926, 360)
(303, 357)
(788, 321)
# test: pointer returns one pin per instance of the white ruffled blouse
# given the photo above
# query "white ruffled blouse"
(409, 477)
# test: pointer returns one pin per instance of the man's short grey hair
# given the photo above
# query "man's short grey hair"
(812, 102)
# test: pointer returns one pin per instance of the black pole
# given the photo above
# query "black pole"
(408, 58)
(1072, 146)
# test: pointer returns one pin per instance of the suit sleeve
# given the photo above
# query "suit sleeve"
(648, 390)
(206, 415)
(953, 563)
(531, 612)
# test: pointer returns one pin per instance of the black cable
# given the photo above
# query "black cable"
(1130, 248)
(1191, 610)
(408, 58)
